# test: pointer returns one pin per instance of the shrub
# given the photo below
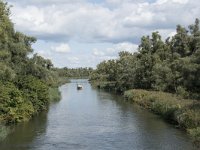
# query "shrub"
(185, 112)
(189, 116)
(35, 91)
(54, 94)
(4, 131)
(195, 133)
(13, 106)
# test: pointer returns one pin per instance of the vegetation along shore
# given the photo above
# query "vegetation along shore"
(164, 76)
(28, 82)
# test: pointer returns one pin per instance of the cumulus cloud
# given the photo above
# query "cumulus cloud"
(126, 47)
(73, 60)
(171, 1)
(62, 48)
(44, 2)
(98, 55)
(112, 52)
(45, 54)
(97, 52)
(118, 22)
(89, 22)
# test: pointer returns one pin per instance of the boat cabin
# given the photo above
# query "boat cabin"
(79, 87)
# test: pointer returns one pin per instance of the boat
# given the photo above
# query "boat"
(79, 87)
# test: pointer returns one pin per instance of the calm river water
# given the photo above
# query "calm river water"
(90, 119)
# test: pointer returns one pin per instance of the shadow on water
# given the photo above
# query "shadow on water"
(150, 131)
(90, 119)
(23, 134)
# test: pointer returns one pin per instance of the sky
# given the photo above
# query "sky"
(82, 33)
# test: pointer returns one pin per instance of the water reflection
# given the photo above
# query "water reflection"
(89, 119)
(24, 134)
(145, 130)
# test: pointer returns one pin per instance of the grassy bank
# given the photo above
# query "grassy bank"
(184, 113)
(19, 104)
(4, 131)
(61, 81)
(54, 94)
(17, 115)
(104, 85)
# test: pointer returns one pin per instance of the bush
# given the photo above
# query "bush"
(195, 133)
(189, 116)
(4, 131)
(184, 112)
(35, 91)
(155, 101)
(182, 91)
(13, 106)
(54, 94)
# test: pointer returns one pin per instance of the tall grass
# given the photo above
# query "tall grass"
(185, 113)
(54, 94)
(4, 131)
(195, 133)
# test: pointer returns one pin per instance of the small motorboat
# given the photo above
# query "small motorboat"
(79, 87)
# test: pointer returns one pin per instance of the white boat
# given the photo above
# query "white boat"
(79, 87)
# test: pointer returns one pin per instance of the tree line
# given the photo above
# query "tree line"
(25, 78)
(171, 65)
(28, 82)
(75, 72)
(162, 76)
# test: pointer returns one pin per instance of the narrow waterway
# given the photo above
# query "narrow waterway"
(90, 119)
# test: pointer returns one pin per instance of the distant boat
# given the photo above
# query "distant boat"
(79, 87)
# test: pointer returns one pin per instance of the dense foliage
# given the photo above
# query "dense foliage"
(169, 106)
(182, 112)
(25, 78)
(156, 70)
(172, 65)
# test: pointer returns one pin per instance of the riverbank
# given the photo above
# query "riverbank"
(54, 93)
(184, 113)
(76, 117)
(23, 111)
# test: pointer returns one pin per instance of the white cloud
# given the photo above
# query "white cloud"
(45, 54)
(73, 60)
(171, 34)
(160, 2)
(118, 22)
(97, 52)
(45, 2)
(126, 47)
(112, 52)
(62, 48)
(86, 22)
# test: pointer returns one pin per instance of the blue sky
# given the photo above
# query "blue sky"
(82, 33)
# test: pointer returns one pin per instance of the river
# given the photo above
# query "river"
(91, 119)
